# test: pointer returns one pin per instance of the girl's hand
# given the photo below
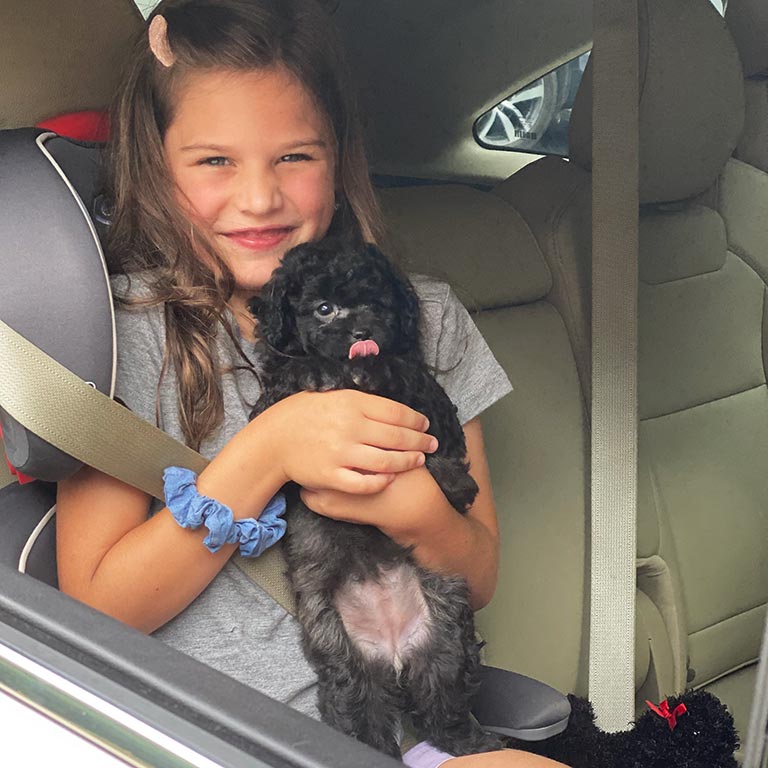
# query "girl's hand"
(414, 512)
(345, 440)
(380, 509)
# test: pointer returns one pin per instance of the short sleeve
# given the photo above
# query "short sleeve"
(464, 365)
(140, 344)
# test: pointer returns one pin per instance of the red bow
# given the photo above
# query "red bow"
(663, 711)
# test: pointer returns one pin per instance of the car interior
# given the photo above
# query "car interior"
(512, 233)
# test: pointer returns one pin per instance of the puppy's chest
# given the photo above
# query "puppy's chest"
(380, 376)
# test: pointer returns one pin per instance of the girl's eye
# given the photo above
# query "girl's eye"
(325, 310)
(213, 161)
(295, 157)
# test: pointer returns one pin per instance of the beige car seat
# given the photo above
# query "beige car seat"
(535, 437)
(703, 400)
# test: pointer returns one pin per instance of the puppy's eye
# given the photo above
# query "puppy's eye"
(326, 310)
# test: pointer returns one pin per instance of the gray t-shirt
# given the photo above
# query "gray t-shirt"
(234, 626)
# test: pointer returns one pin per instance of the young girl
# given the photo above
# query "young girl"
(233, 139)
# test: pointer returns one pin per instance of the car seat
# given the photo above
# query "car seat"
(535, 437)
(703, 439)
(56, 58)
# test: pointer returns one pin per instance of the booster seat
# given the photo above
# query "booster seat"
(57, 297)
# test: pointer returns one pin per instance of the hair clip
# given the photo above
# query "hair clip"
(158, 41)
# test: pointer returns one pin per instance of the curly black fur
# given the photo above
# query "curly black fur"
(307, 346)
(704, 737)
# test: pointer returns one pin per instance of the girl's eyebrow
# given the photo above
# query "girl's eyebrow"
(212, 147)
(293, 145)
(307, 143)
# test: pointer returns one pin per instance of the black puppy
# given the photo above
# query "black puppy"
(384, 635)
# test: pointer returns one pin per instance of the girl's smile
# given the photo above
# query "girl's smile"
(254, 167)
(263, 239)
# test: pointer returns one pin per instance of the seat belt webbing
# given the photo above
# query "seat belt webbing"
(756, 747)
(614, 361)
(59, 407)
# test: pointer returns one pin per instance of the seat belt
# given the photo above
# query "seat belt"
(615, 205)
(59, 407)
(756, 747)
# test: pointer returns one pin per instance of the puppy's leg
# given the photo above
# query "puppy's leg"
(452, 475)
(362, 701)
(442, 676)
(357, 696)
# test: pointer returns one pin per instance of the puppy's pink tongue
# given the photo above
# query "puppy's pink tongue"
(363, 348)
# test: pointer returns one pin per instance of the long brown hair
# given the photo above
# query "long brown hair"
(149, 231)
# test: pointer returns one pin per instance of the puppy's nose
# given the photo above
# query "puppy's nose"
(361, 334)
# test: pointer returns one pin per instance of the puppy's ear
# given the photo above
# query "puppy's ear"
(406, 299)
(410, 313)
(274, 313)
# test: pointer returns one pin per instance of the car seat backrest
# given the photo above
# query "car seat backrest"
(61, 56)
(703, 441)
(535, 437)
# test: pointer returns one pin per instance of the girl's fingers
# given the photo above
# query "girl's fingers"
(395, 438)
(371, 459)
(349, 481)
(391, 412)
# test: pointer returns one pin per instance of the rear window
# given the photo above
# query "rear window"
(535, 118)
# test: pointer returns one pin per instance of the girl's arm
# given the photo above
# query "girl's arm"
(145, 571)
(414, 512)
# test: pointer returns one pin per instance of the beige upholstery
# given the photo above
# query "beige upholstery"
(43, 77)
(703, 442)
(748, 22)
(686, 134)
(535, 437)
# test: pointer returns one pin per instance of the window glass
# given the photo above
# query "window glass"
(535, 118)
(146, 6)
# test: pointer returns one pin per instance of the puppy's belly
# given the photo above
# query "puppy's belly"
(385, 618)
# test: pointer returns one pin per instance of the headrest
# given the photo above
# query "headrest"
(748, 22)
(61, 57)
(691, 100)
(55, 287)
(475, 241)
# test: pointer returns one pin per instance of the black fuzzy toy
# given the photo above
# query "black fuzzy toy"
(703, 736)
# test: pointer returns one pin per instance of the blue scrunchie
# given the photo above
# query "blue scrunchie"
(191, 510)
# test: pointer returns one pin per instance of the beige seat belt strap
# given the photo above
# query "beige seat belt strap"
(756, 746)
(614, 360)
(59, 407)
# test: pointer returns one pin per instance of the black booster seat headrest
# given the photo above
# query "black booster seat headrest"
(54, 289)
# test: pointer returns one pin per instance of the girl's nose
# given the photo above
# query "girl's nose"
(258, 192)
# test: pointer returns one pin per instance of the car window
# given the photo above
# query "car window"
(535, 118)
(146, 6)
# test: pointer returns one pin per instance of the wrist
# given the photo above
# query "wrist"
(415, 523)
(190, 509)
(244, 475)
(265, 436)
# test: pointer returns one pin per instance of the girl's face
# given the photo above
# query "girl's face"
(253, 163)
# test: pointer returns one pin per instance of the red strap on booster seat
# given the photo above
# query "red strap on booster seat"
(90, 125)
(20, 476)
